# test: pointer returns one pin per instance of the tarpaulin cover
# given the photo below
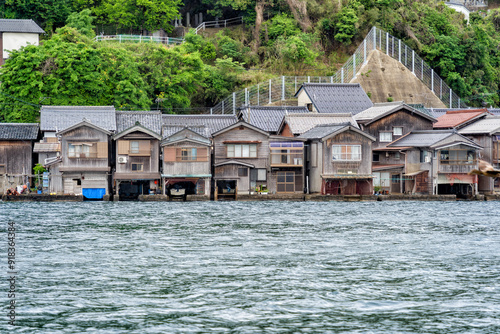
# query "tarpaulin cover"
(93, 193)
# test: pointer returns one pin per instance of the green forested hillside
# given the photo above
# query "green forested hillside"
(302, 37)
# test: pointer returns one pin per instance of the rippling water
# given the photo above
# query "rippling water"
(247, 267)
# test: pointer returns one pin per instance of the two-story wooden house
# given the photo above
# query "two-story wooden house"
(84, 163)
(438, 162)
(388, 122)
(186, 163)
(241, 159)
(486, 133)
(16, 162)
(137, 170)
(339, 160)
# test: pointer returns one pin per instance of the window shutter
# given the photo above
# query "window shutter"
(144, 147)
(169, 154)
(202, 154)
(102, 149)
(123, 147)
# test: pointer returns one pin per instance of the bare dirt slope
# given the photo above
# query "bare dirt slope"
(384, 77)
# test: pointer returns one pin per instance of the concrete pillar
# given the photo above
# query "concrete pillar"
(188, 19)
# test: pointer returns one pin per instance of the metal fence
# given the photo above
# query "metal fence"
(220, 23)
(138, 39)
(284, 88)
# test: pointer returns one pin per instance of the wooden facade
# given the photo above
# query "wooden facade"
(287, 161)
(16, 163)
(241, 159)
(137, 170)
(340, 163)
(186, 164)
(85, 161)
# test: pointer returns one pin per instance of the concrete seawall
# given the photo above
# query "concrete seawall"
(269, 197)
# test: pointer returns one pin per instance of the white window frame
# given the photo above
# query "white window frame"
(337, 154)
(241, 150)
(398, 132)
(385, 137)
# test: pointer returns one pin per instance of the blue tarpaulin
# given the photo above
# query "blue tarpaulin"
(93, 193)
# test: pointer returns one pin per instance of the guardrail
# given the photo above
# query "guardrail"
(139, 39)
(220, 23)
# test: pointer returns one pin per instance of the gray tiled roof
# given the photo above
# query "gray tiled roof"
(57, 118)
(322, 131)
(214, 123)
(26, 26)
(148, 119)
(269, 118)
(169, 130)
(18, 131)
(422, 138)
(381, 109)
(300, 123)
(337, 98)
(487, 125)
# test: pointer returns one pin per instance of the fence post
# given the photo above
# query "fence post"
(331, 79)
(413, 62)
(282, 87)
(308, 79)
(140, 39)
(459, 103)
(246, 96)
(451, 102)
(440, 88)
(211, 111)
(387, 43)
(399, 49)
(234, 103)
(364, 51)
(120, 38)
(342, 75)
(258, 94)
(295, 85)
(270, 92)
(374, 38)
(392, 46)
(222, 107)
(432, 80)
(354, 65)
(422, 70)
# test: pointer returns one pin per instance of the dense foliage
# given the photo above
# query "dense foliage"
(301, 37)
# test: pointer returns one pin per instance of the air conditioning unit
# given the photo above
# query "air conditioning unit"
(122, 160)
(427, 159)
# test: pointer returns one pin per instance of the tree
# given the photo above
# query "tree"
(82, 22)
(141, 14)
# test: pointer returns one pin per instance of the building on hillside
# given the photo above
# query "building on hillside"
(437, 162)
(14, 34)
(456, 119)
(137, 170)
(333, 98)
(186, 163)
(296, 124)
(388, 122)
(16, 154)
(339, 160)
(486, 133)
(84, 165)
(268, 118)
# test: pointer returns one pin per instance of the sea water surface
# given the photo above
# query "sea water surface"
(254, 267)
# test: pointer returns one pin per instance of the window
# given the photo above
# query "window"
(286, 153)
(134, 147)
(242, 172)
(424, 156)
(376, 157)
(346, 152)
(261, 174)
(3, 170)
(347, 171)
(285, 182)
(457, 157)
(397, 130)
(82, 150)
(385, 137)
(242, 150)
(309, 106)
(189, 154)
(397, 155)
(137, 167)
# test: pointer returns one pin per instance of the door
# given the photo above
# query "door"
(285, 182)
